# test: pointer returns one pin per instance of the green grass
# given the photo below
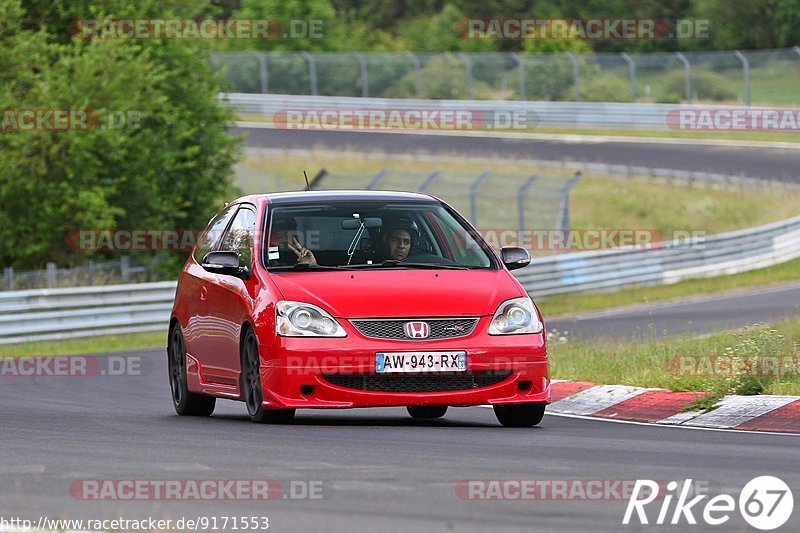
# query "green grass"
(598, 201)
(654, 362)
(87, 345)
(579, 303)
(601, 202)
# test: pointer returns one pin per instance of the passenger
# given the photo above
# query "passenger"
(284, 237)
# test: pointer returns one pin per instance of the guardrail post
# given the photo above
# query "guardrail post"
(468, 70)
(417, 73)
(51, 275)
(746, 74)
(376, 181)
(430, 181)
(263, 74)
(8, 274)
(632, 66)
(312, 72)
(521, 200)
(473, 197)
(521, 72)
(125, 268)
(576, 75)
(687, 76)
(362, 64)
(563, 216)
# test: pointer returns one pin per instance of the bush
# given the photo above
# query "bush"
(443, 77)
(606, 89)
(670, 98)
(168, 168)
(706, 85)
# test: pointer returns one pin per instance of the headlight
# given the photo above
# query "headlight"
(515, 317)
(297, 319)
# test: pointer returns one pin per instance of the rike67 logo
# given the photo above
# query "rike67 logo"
(766, 503)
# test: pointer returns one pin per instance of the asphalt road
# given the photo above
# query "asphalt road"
(380, 470)
(697, 315)
(754, 162)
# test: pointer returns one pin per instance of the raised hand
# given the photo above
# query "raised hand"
(304, 255)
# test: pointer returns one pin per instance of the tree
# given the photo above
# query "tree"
(165, 164)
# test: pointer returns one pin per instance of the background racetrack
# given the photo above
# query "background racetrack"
(382, 470)
(756, 162)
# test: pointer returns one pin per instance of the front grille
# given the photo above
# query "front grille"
(441, 328)
(416, 383)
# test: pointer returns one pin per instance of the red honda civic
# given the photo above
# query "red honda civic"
(343, 299)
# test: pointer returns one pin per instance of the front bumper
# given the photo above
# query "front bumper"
(295, 371)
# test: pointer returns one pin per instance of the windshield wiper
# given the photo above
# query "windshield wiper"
(302, 267)
(394, 263)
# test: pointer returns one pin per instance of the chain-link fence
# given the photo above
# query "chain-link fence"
(764, 77)
(491, 200)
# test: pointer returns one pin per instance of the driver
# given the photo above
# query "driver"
(398, 238)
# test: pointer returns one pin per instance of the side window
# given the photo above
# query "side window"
(240, 236)
(213, 232)
(461, 245)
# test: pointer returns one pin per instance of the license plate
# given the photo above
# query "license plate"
(402, 362)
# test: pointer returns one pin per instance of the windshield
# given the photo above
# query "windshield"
(368, 235)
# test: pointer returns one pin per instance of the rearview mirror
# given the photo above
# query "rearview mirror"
(514, 257)
(226, 263)
(355, 223)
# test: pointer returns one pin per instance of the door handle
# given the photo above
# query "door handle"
(203, 293)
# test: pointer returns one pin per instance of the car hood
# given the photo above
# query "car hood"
(400, 293)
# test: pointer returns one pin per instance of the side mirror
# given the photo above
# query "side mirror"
(226, 263)
(514, 257)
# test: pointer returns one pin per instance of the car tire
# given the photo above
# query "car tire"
(185, 403)
(252, 392)
(427, 411)
(522, 415)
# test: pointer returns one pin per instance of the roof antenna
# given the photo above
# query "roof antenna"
(308, 187)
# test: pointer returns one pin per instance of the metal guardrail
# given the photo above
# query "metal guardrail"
(668, 262)
(60, 313)
(45, 314)
(485, 112)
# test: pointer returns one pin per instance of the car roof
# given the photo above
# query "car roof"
(327, 196)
